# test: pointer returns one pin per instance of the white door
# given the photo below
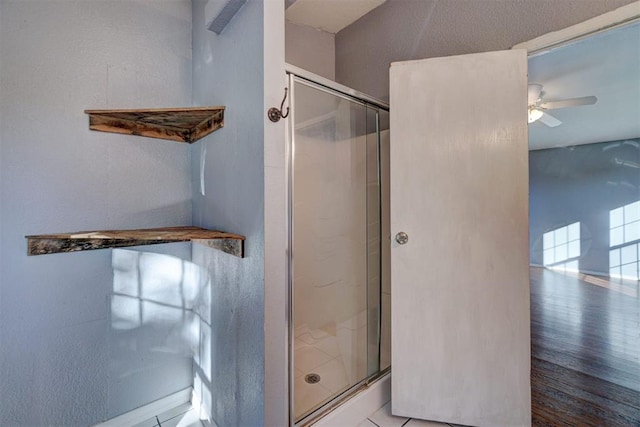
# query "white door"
(460, 283)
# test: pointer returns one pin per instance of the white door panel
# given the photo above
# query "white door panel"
(460, 285)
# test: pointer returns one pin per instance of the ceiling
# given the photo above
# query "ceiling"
(606, 65)
(329, 15)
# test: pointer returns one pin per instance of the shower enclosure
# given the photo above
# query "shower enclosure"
(337, 263)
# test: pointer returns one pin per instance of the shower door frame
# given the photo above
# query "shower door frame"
(296, 74)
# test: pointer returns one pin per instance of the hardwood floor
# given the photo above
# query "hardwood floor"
(585, 349)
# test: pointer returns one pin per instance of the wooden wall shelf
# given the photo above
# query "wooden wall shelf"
(87, 240)
(175, 124)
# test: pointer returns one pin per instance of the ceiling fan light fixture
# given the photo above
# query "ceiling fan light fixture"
(534, 115)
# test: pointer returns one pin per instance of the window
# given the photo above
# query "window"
(624, 224)
(561, 245)
(623, 262)
(624, 231)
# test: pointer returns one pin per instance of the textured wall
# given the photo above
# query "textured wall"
(57, 59)
(415, 29)
(311, 49)
(582, 183)
(228, 70)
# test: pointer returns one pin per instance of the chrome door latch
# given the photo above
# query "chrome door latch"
(402, 238)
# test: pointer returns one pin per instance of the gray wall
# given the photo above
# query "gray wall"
(311, 49)
(57, 59)
(582, 183)
(228, 70)
(415, 29)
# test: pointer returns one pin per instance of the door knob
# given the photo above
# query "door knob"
(402, 238)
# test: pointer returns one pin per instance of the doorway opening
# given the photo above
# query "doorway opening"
(584, 170)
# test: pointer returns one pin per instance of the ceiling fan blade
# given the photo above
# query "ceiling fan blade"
(549, 120)
(573, 102)
(533, 93)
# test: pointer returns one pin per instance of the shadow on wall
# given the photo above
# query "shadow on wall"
(160, 339)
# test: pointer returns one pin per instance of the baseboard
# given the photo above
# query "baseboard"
(589, 272)
(355, 410)
(149, 410)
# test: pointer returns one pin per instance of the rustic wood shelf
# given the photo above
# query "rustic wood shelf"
(87, 240)
(175, 124)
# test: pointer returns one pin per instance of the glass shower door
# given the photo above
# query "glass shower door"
(335, 245)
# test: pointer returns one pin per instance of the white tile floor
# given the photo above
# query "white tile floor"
(383, 418)
(186, 416)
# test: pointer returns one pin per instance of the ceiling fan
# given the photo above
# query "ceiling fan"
(538, 107)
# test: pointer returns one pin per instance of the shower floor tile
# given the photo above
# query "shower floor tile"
(307, 396)
(309, 358)
(333, 375)
(329, 345)
(336, 352)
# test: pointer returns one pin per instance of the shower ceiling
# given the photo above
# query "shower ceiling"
(329, 15)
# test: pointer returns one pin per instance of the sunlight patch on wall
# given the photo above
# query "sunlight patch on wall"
(151, 288)
(201, 398)
(161, 324)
